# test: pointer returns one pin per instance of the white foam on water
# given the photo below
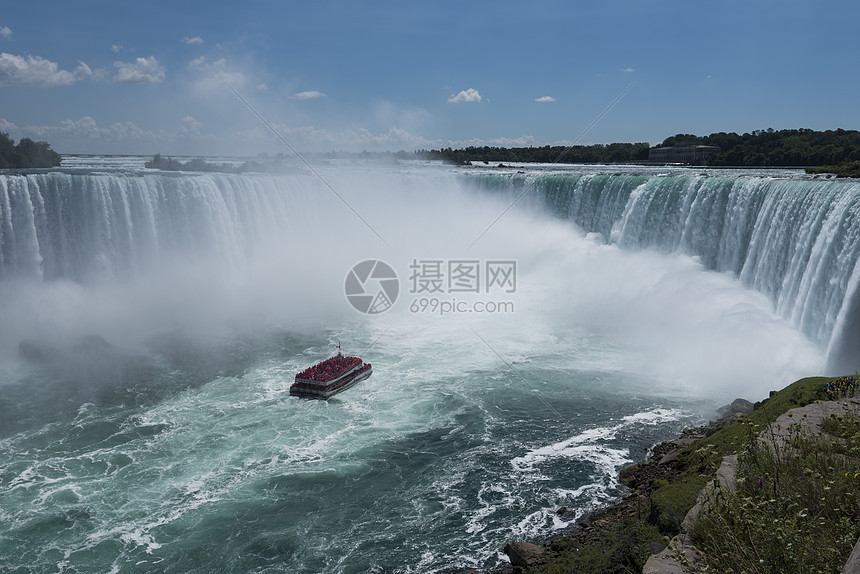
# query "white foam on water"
(589, 444)
(592, 321)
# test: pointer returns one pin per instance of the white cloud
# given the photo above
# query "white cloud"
(190, 127)
(522, 141)
(627, 70)
(188, 137)
(465, 96)
(545, 99)
(203, 65)
(8, 127)
(192, 137)
(262, 87)
(214, 69)
(387, 114)
(197, 63)
(192, 40)
(235, 79)
(310, 95)
(116, 48)
(83, 71)
(313, 139)
(84, 133)
(141, 70)
(212, 76)
(5, 33)
(37, 72)
(86, 136)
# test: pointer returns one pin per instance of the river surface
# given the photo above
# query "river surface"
(529, 352)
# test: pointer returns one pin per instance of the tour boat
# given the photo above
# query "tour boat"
(329, 377)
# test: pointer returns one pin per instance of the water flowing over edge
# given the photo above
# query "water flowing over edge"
(795, 240)
(92, 229)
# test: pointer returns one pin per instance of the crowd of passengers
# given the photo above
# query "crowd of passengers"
(303, 385)
(329, 369)
(841, 387)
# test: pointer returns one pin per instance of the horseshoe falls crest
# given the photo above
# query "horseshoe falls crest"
(797, 241)
(146, 424)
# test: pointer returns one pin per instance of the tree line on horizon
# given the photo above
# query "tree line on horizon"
(779, 148)
(832, 150)
(27, 154)
(760, 148)
(597, 153)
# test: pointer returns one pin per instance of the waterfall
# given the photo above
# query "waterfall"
(59, 225)
(795, 240)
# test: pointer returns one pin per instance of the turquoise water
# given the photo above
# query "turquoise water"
(172, 445)
(417, 469)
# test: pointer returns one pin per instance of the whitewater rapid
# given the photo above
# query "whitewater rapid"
(175, 444)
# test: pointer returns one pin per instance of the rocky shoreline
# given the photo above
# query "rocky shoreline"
(660, 466)
(648, 530)
(682, 556)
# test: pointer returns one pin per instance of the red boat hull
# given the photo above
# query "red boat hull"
(325, 390)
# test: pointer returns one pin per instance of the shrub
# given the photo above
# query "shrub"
(794, 509)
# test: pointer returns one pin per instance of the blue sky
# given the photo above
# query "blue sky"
(140, 78)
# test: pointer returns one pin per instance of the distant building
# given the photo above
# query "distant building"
(685, 152)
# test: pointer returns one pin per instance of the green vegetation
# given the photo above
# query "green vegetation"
(27, 154)
(782, 148)
(847, 429)
(844, 169)
(169, 164)
(158, 161)
(670, 490)
(794, 509)
(700, 461)
(670, 502)
(768, 148)
(598, 153)
(624, 548)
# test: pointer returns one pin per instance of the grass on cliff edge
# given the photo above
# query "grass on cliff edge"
(623, 548)
(795, 508)
(671, 500)
(700, 461)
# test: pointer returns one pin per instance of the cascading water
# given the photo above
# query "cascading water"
(59, 225)
(149, 427)
(795, 240)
